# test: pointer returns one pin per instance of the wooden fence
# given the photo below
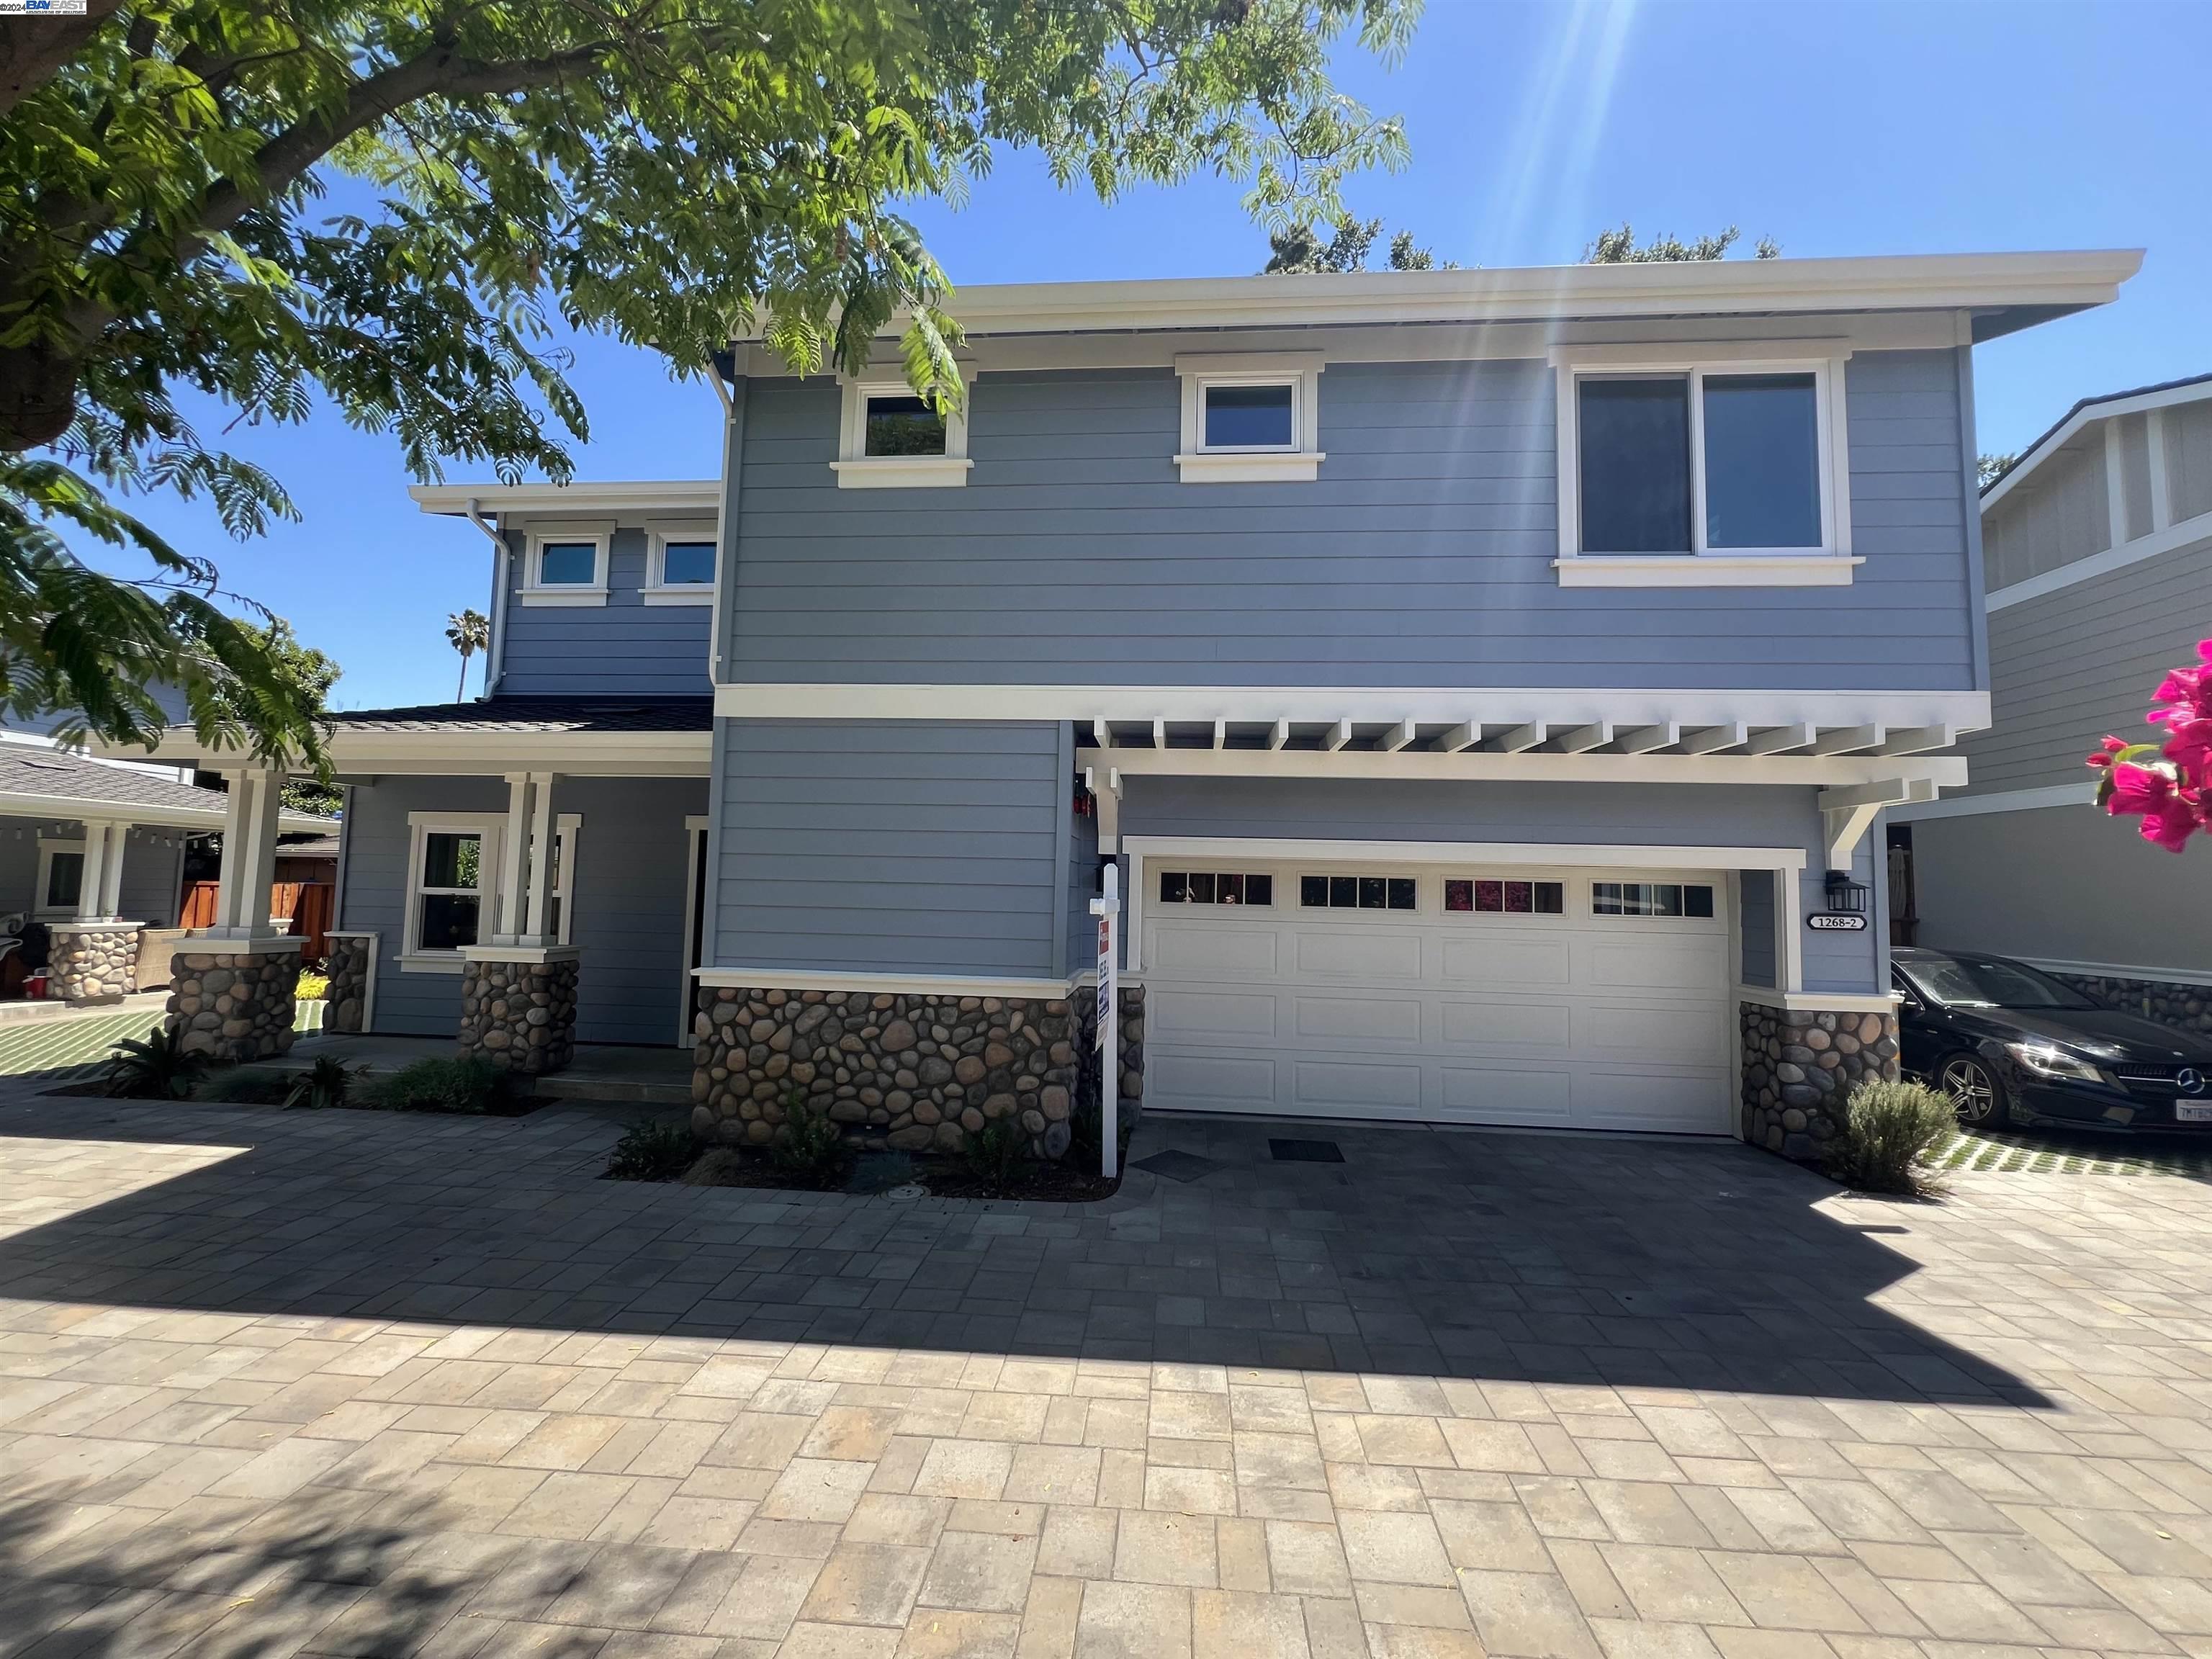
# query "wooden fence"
(306, 906)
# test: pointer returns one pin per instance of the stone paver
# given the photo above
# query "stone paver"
(342, 1383)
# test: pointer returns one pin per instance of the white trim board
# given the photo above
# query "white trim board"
(1820, 1002)
(2173, 538)
(582, 496)
(818, 979)
(2076, 795)
(1943, 772)
(1562, 854)
(1966, 711)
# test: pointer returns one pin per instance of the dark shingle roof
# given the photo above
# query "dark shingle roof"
(26, 769)
(540, 715)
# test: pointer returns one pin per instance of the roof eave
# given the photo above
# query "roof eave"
(596, 496)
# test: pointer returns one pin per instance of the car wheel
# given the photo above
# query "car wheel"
(1974, 1090)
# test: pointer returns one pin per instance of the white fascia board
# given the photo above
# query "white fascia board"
(2109, 409)
(1550, 853)
(358, 755)
(78, 809)
(1265, 705)
(702, 495)
(1835, 771)
(2173, 538)
(817, 979)
(2075, 795)
(1941, 281)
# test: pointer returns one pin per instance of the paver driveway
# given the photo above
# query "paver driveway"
(354, 1384)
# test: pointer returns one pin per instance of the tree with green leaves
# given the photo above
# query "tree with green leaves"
(1988, 469)
(1298, 250)
(1620, 247)
(666, 172)
(468, 632)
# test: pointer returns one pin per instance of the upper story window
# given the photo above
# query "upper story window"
(891, 439)
(679, 562)
(565, 564)
(1250, 418)
(1732, 472)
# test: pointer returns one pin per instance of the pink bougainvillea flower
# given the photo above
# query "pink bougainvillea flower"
(2111, 747)
(2189, 744)
(2172, 824)
(2170, 814)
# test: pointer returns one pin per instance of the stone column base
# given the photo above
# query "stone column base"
(1799, 1067)
(94, 960)
(352, 967)
(519, 1007)
(233, 999)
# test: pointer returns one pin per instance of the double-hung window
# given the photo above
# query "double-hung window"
(453, 876)
(1731, 472)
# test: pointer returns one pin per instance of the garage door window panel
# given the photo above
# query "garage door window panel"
(1216, 887)
(1487, 895)
(1688, 900)
(1358, 892)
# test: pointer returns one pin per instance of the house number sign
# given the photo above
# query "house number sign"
(1833, 922)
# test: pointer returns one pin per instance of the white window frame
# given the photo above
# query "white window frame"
(421, 826)
(659, 533)
(1297, 462)
(535, 590)
(49, 846)
(1828, 565)
(858, 469)
(568, 836)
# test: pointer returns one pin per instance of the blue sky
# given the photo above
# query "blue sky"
(1835, 129)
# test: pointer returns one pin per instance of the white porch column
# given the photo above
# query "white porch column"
(514, 860)
(110, 884)
(533, 930)
(249, 854)
(91, 902)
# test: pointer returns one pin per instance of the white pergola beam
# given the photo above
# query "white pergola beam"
(1396, 738)
(1851, 739)
(1583, 738)
(1918, 739)
(1522, 738)
(1645, 739)
(1714, 738)
(1159, 734)
(1279, 734)
(1848, 811)
(1221, 734)
(1338, 735)
(1465, 735)
(1781, 740)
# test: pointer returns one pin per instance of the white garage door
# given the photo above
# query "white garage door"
(1570, 999)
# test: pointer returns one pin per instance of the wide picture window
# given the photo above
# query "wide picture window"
(1700, 463)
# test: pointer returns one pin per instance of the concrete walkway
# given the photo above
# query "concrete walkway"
(346, 1383)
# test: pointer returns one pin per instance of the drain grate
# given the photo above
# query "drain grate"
(1306, 1151)
(1179, 1165)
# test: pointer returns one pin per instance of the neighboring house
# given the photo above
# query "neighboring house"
(2097, 552)
(93, 850)
(1477, 675)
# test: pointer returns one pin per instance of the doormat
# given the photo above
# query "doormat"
(1179, 1166)
(1306, 1151)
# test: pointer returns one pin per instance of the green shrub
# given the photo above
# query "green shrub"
(1890, 1130)
(651, 1151)
(154, 1068)
(811, 1148)
(467, 1084)
(323, 1086)
(998, 1153)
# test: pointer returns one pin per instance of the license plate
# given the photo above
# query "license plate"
(2192, 1111)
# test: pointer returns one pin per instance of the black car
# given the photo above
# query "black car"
(2010, 1044)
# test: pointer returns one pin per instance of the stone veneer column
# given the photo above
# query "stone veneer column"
(94, 960)
(1799, 1067)
(352, 960)
(235, 1003)
(2187, 1007)
(519, 1007)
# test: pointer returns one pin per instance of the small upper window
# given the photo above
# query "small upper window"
(1251, 416)
(904, 426)
(1356, 892)
(1650, 898)
(567, 564)
(687, 564)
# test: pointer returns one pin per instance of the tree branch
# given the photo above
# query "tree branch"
(32, 49)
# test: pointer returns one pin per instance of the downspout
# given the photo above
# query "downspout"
(495, 652)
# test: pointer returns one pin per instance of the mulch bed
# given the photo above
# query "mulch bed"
(880, 1172)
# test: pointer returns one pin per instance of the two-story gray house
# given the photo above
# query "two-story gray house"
(1489, 682)
(2098, 545)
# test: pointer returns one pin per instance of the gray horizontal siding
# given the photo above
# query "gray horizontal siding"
(625, 648)
(2189, 457)
(1755, 923)
(2022, 883)
(2055, 514)
(2071, 666)
(1567, 814)
(889, 847)
(1421, 557)
(153, 873)
(628, 886)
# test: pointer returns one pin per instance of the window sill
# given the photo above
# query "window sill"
(563, 597)
(1711, 571)
(685, 595)
(1205, 466)
(903, 472)
(431, 961)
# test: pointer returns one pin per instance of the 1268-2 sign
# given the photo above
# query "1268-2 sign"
(1832, 921)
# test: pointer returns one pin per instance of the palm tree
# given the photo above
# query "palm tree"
(469, 632)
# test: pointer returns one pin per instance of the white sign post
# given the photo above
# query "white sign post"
(1108, 910)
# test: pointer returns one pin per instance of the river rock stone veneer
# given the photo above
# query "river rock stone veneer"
(234, 1005)
(2188, 1007)
(94, 962)
(909, 1072)
(347, 1000)
(1799, 1068)
(520, 1015)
